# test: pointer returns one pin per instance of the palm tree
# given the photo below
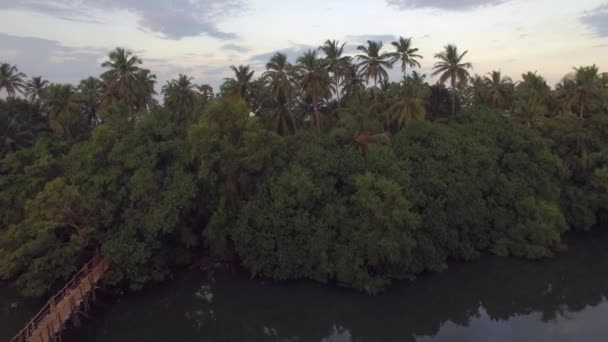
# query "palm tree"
(500, 88)
(314, 81)
(373, 63)
(36, 88)
(477, 91)
(582, 88)
(206, 92)
(145, 81)
(180, 94)
(241, 85)
(88, 97)
(11, 80)
(277, 73)
(58, 99)
(532, 98)
(336, 62)
(406, 54)
(121, 79)
(352, 84)
(451, 67)
(412, 103)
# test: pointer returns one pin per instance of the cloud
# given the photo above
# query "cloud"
(293, 53)
(173, 19)
(235, 47)
(50, 59)
(450, 5)
(597, 20)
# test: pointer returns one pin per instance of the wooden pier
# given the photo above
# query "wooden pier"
(69, 303)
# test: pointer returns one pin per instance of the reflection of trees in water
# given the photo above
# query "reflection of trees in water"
(504, 288)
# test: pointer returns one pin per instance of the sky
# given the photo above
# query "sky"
(67, 40)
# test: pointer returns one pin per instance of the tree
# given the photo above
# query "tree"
(35, 89)
(337, 64)
(532, 99)
(353, 85)
(11, 80)
(206, 92)
(582, 89)
(180, 95)
(145, 81)
(88, 97)
(499, 89)
(240, 86)
(48, 245)
(406, 54)
(451, 67)
(122, 76)
(412, 103)
(314, 81)
(373, 63)
(278, 71)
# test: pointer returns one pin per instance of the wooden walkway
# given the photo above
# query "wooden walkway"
(66, 304)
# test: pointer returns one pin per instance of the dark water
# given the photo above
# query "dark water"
(495, 299)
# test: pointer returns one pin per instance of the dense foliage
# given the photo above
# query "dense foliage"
(322, 169)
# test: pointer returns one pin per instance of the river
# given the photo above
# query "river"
(494, 299)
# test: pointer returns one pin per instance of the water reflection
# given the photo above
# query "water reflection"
(491, 300)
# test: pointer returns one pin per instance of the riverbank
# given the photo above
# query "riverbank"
(498, 299)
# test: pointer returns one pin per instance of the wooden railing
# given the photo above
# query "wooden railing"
(88, 276)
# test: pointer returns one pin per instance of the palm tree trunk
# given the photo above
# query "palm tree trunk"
(405, 74)
(582, 112)
(453, 96)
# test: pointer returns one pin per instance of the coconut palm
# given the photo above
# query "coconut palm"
(58, 99)
(499, 89)
(352, 84)
(122, 76)
(582, 88)
(411, 105)
(239, 87)
(451, 67)
(477, 91)
(532, 98)
(406, 54)
(373, 63)
(314, 81)
(336, 62)
(145, 81)
(206, 92)
(11, 80)
(36, 88)
(180, 94)
(277, 74)
(88, 97)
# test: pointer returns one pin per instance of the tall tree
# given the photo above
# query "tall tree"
(145, 81)
(373, 63)
(582, 89)
(11, 80)
(532, 97)
(451, 67)
(240, 86)
(353, 84)
(36, 88)
(180, 95)
(278, 71)
(315, 82)
(206, 92)
(337, 63)
(88, 97)
(121, 78)
(405, 53)
(500, 89)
